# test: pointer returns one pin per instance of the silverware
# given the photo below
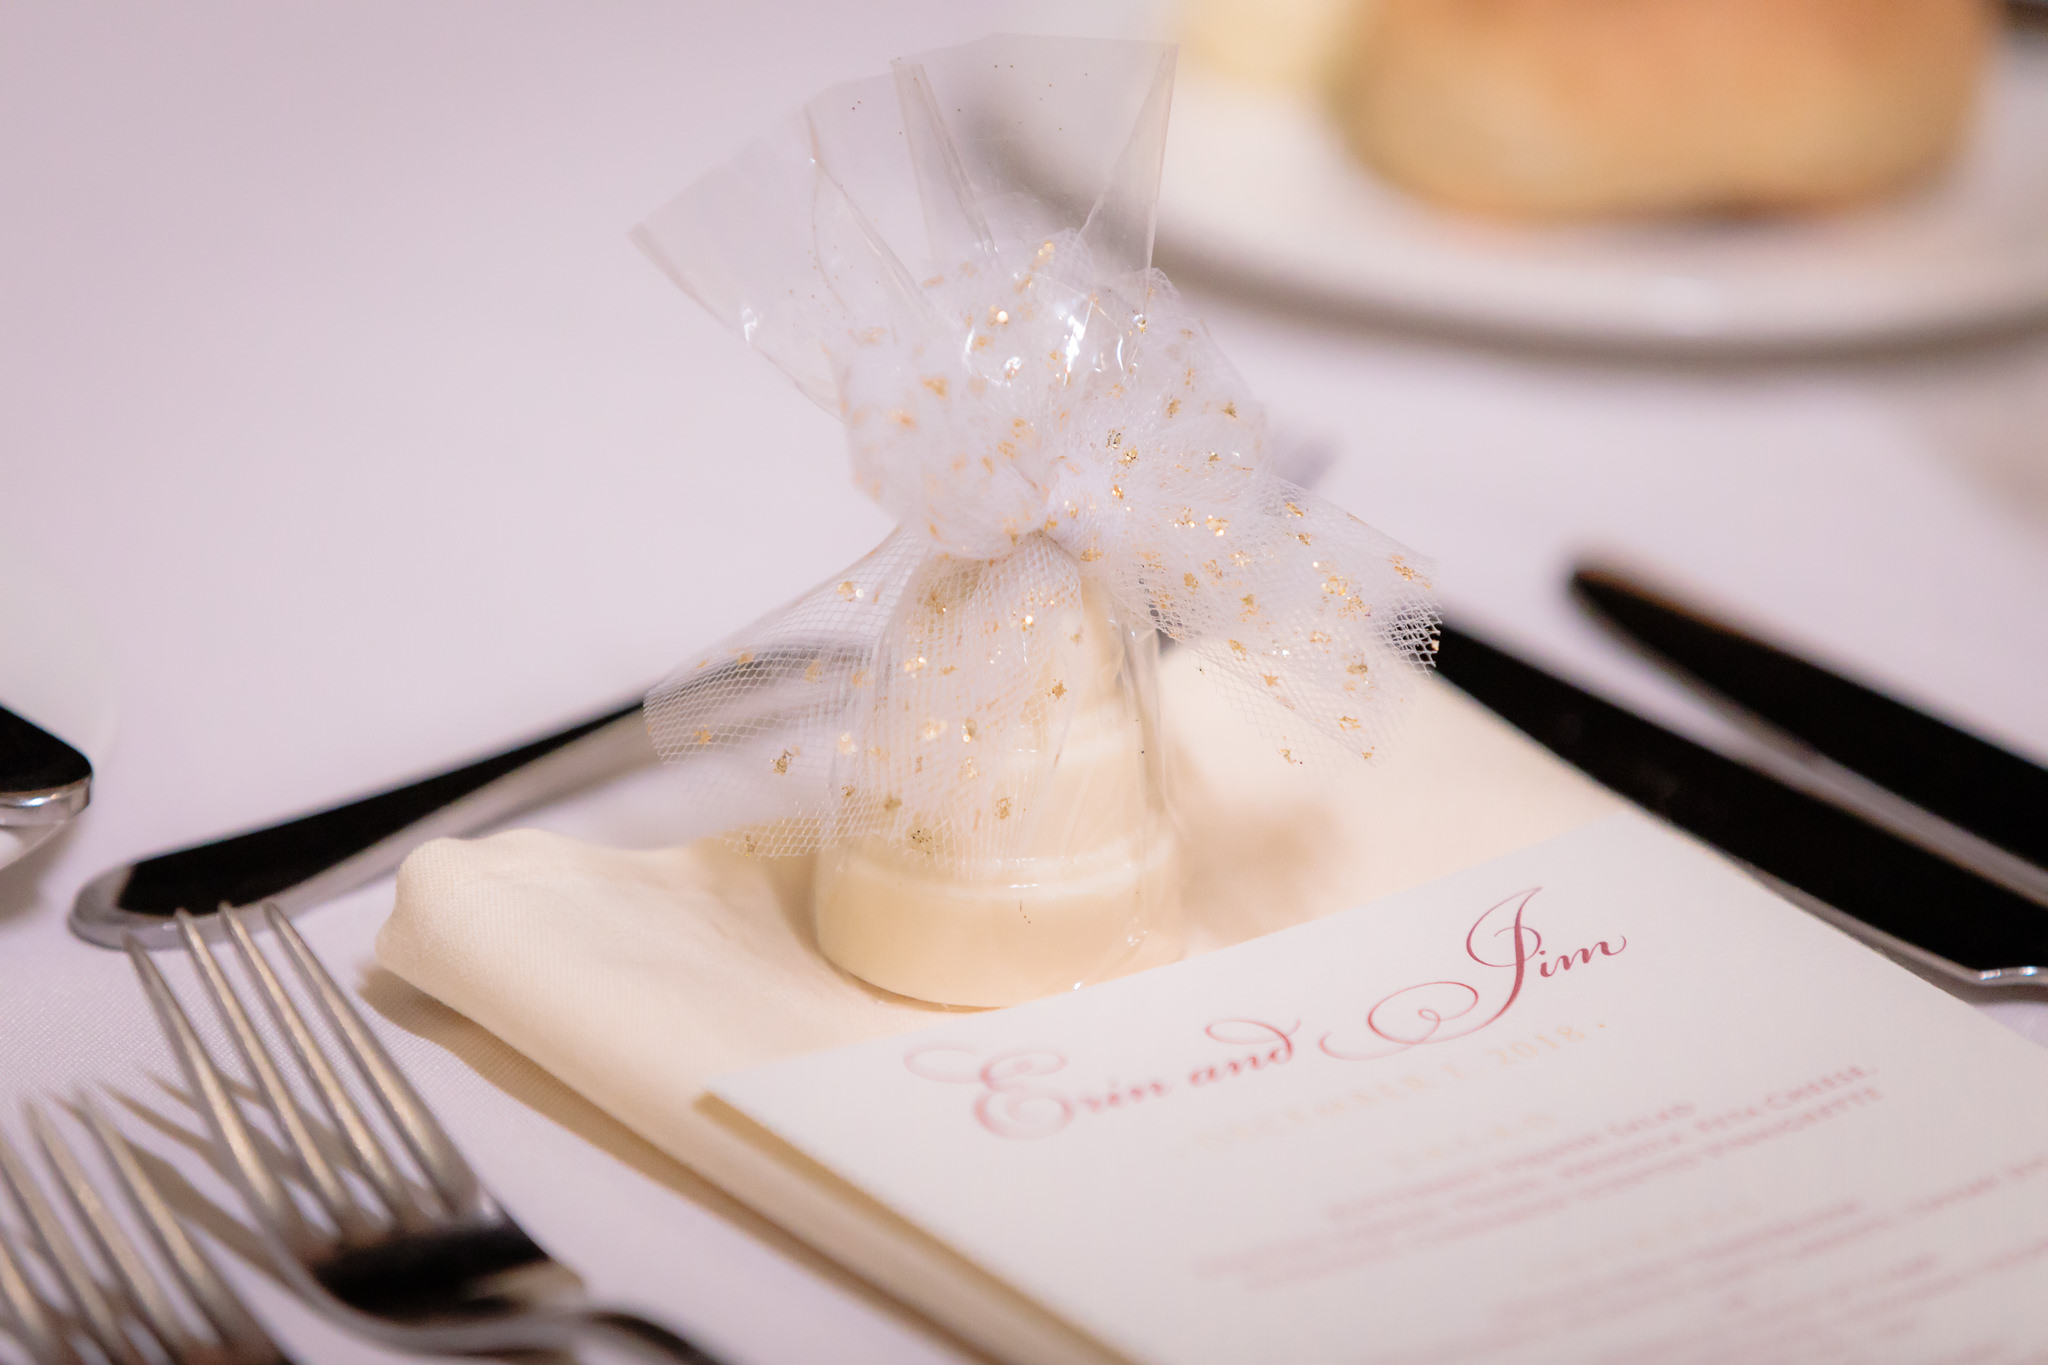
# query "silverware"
(137, 1308)
(1924, 779)
(428, 1261)
(43, 783)
(314, 858)
(1870, 881)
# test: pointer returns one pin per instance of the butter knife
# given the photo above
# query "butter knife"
(308, 859)
(311, 858)
(43, 783)
(1884, 888)
(1866, 746)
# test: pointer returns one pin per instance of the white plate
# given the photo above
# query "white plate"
(1260, 187)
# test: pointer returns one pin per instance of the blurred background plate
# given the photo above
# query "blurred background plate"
(1259, 188)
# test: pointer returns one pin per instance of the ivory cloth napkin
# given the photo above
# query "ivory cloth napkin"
(636, 976)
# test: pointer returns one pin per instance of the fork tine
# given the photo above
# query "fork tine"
(431, 1146)
(342, 1111)
(95, 1311)
(37, 1323)
(327, 1184)
(268, 1198)
(222, 1307)
(108, 1237)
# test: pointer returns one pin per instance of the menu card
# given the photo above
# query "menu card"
(1607, 1098)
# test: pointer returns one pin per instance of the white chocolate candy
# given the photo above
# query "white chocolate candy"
(1031, 928)
(1092, 890)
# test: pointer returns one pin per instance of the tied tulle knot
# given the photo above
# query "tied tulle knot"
(1058, 439)
(1049, 400)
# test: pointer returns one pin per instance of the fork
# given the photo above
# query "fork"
(111, 1317)
(436, 1268)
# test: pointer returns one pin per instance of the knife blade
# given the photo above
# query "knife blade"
(304, 861)
(1963, 779)
(43, 783)
(1866, 878)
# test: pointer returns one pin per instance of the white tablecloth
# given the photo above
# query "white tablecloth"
(340, 412)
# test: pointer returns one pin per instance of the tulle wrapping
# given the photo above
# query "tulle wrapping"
(955, 259)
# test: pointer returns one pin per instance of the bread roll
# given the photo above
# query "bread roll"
(1283, 44)
(1582, 107)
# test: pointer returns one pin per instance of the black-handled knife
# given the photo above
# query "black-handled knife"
(1873, 881)
(1971, 783)
(310, 858)
(43, 783)
(301, 862)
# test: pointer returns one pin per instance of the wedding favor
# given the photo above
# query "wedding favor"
(956, 260)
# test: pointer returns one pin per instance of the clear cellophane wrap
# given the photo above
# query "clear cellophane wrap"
(956, 260)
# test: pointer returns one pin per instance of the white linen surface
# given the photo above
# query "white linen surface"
(636, 976)
(349, 421)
